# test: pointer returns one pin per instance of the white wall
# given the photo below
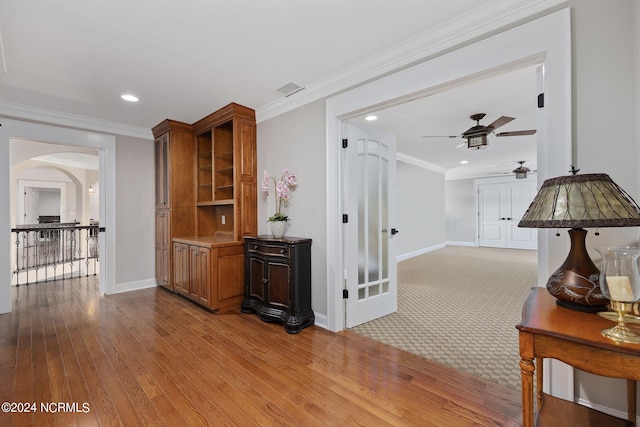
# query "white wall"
(420, 210)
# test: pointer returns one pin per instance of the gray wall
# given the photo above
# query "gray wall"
(460, 208)
(135, 213)
(420, 209)
(605, 90)
(296, 140)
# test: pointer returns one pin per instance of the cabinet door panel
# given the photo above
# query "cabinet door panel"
(163, 247)
(181, 268)
(230, 276)
(247, 136)
(202, 277)
(194, 284)
(248, 209)
(278, 276)
(256, 275)
(161, 156)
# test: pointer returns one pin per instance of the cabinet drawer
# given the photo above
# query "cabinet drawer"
(269, 250)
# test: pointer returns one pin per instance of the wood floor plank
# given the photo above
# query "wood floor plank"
(164, 364)
(245, 383)
(287, 358)
(101, 403)
(288, 361)
(150, 357)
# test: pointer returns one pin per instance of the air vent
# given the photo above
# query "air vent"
(289, 89)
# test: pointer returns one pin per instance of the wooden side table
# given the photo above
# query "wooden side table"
(548, 330)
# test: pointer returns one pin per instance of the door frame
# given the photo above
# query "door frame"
(546, 42)
(106, 146)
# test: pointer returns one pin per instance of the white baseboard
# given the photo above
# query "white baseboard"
(134, 286)
(321, 320)
(419, 252)
(606, 410)
(456, 243)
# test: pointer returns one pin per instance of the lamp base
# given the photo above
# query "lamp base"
(576, 284)
(581, 307)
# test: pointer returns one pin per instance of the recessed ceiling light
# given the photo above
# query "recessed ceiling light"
(464, 162)
(371, 118)
(129, 97)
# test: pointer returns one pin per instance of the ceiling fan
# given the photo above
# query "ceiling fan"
(520, 172)
(476, 136)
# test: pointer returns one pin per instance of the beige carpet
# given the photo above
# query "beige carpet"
(459, 306)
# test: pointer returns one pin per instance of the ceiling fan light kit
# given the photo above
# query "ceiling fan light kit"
(521, 171)
(476, 136)
(476, 142)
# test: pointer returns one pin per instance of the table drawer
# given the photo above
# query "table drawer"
(269, 250)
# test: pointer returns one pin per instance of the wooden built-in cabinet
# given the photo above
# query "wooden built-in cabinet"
(175, 191)
(209, 272)
(226, 173)
(207, 260)
(278, 281)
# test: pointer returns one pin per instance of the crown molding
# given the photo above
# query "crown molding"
(464, 29)
(420, 163)
(42, 115)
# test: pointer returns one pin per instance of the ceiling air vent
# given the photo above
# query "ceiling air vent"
(289, 89)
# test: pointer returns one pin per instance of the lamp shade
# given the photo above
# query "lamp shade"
(576, 201)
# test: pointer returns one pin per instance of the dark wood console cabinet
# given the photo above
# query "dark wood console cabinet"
(278, 281)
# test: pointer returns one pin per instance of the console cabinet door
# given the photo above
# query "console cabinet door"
(257, 279)
(278, 284)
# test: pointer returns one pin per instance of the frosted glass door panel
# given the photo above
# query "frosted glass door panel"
(371, 280)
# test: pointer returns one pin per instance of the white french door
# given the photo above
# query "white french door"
(369, 235)
(500, 209)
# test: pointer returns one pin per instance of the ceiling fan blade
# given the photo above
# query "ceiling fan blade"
(517, 133)
(500, 122)
(440, 136)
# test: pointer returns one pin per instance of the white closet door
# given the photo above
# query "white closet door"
(519, 197)
(500, 208)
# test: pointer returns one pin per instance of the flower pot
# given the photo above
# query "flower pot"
(277, 228)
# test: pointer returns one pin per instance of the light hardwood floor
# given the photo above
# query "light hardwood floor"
(152, 358)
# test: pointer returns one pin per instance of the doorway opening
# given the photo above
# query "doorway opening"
(535, 43)
(105, 145)
(55, 212)
(442, 306)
